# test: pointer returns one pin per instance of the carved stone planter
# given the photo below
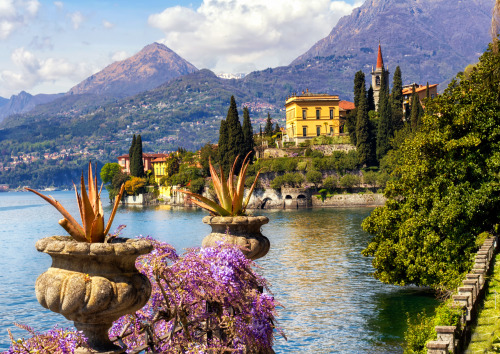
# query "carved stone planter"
(93, 284)
(243, 231)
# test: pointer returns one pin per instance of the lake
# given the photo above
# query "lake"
(315, 267)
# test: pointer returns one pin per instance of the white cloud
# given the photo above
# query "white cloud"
(238, 35)
(119, 56)
(15, 14)
(33, 71)
(59, 4)
(107, 24)
(77, 19)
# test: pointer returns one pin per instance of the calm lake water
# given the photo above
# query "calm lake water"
(331, 303)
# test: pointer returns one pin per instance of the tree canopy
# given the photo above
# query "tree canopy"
(446, 189)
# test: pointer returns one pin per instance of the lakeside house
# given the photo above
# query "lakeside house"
(147, 160)
(314, 114)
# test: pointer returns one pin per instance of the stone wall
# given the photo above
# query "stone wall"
(272, 199)
(347, 200)
(451, 339)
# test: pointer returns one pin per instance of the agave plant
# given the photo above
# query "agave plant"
(230, 197)
(91, 212)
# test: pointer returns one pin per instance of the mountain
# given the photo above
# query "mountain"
(154, 65)
(3, 101)
(431, 40)
(23, 102)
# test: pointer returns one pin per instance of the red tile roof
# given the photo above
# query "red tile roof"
(346, 105)
(409, 90)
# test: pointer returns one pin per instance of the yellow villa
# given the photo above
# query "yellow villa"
(313, 114)
(160, 165)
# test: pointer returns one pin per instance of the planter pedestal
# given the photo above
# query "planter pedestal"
(93, 284)
(243, 231)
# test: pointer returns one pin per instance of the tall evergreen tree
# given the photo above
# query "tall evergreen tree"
(268, 129)
(137, 155)
(131, 155)
(370, 99)
(223, 148)
(359, 87)
(427, 93)
(416, 110)
(351, 119)
(363, 131)
(384, 131)
(397, 100)
(234, 134)
(260, 130)
(247, 133)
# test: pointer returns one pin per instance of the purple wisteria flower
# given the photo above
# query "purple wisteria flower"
(208, 300)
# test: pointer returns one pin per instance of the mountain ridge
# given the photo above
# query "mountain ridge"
(152, 66)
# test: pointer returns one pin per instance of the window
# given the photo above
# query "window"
(304, 113)
(317, 113)
(432, 96)
(377, 80)
(318, 130)
(331, 130)
(331, 113)
(304, 131)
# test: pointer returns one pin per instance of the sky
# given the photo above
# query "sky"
(50, 46)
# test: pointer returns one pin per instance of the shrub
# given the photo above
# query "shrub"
(330, 183)
(315, 177)
(197, 185)
(349, 181)
(419, 331)
(301, 166)
(135, 185)
(370, 178)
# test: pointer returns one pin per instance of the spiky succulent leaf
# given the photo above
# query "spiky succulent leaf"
(74, 225)
(247, 200)
(212, 206)
(115, 208)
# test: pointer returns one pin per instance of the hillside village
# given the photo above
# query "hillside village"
(311, 161)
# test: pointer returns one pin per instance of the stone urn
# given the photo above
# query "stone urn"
(93, 284)
(243, 231)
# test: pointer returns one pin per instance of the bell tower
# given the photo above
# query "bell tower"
(378, 75)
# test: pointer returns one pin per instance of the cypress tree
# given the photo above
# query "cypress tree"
(384, 131)
(247, 133)
(234, 135)
(359, 87)
(363, 133)
(397, 100)
(223, 149)
(370, 99)
(427, 93)
(131, 155)
(260, 130)
(416, 110)
(138, 163)
(351, 119)
(268, 129)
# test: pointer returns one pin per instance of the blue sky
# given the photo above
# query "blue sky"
(50, 46)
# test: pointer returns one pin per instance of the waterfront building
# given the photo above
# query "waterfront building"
(124, 161)
(314, 114)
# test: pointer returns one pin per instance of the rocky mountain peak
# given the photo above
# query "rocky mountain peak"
(154, 65)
